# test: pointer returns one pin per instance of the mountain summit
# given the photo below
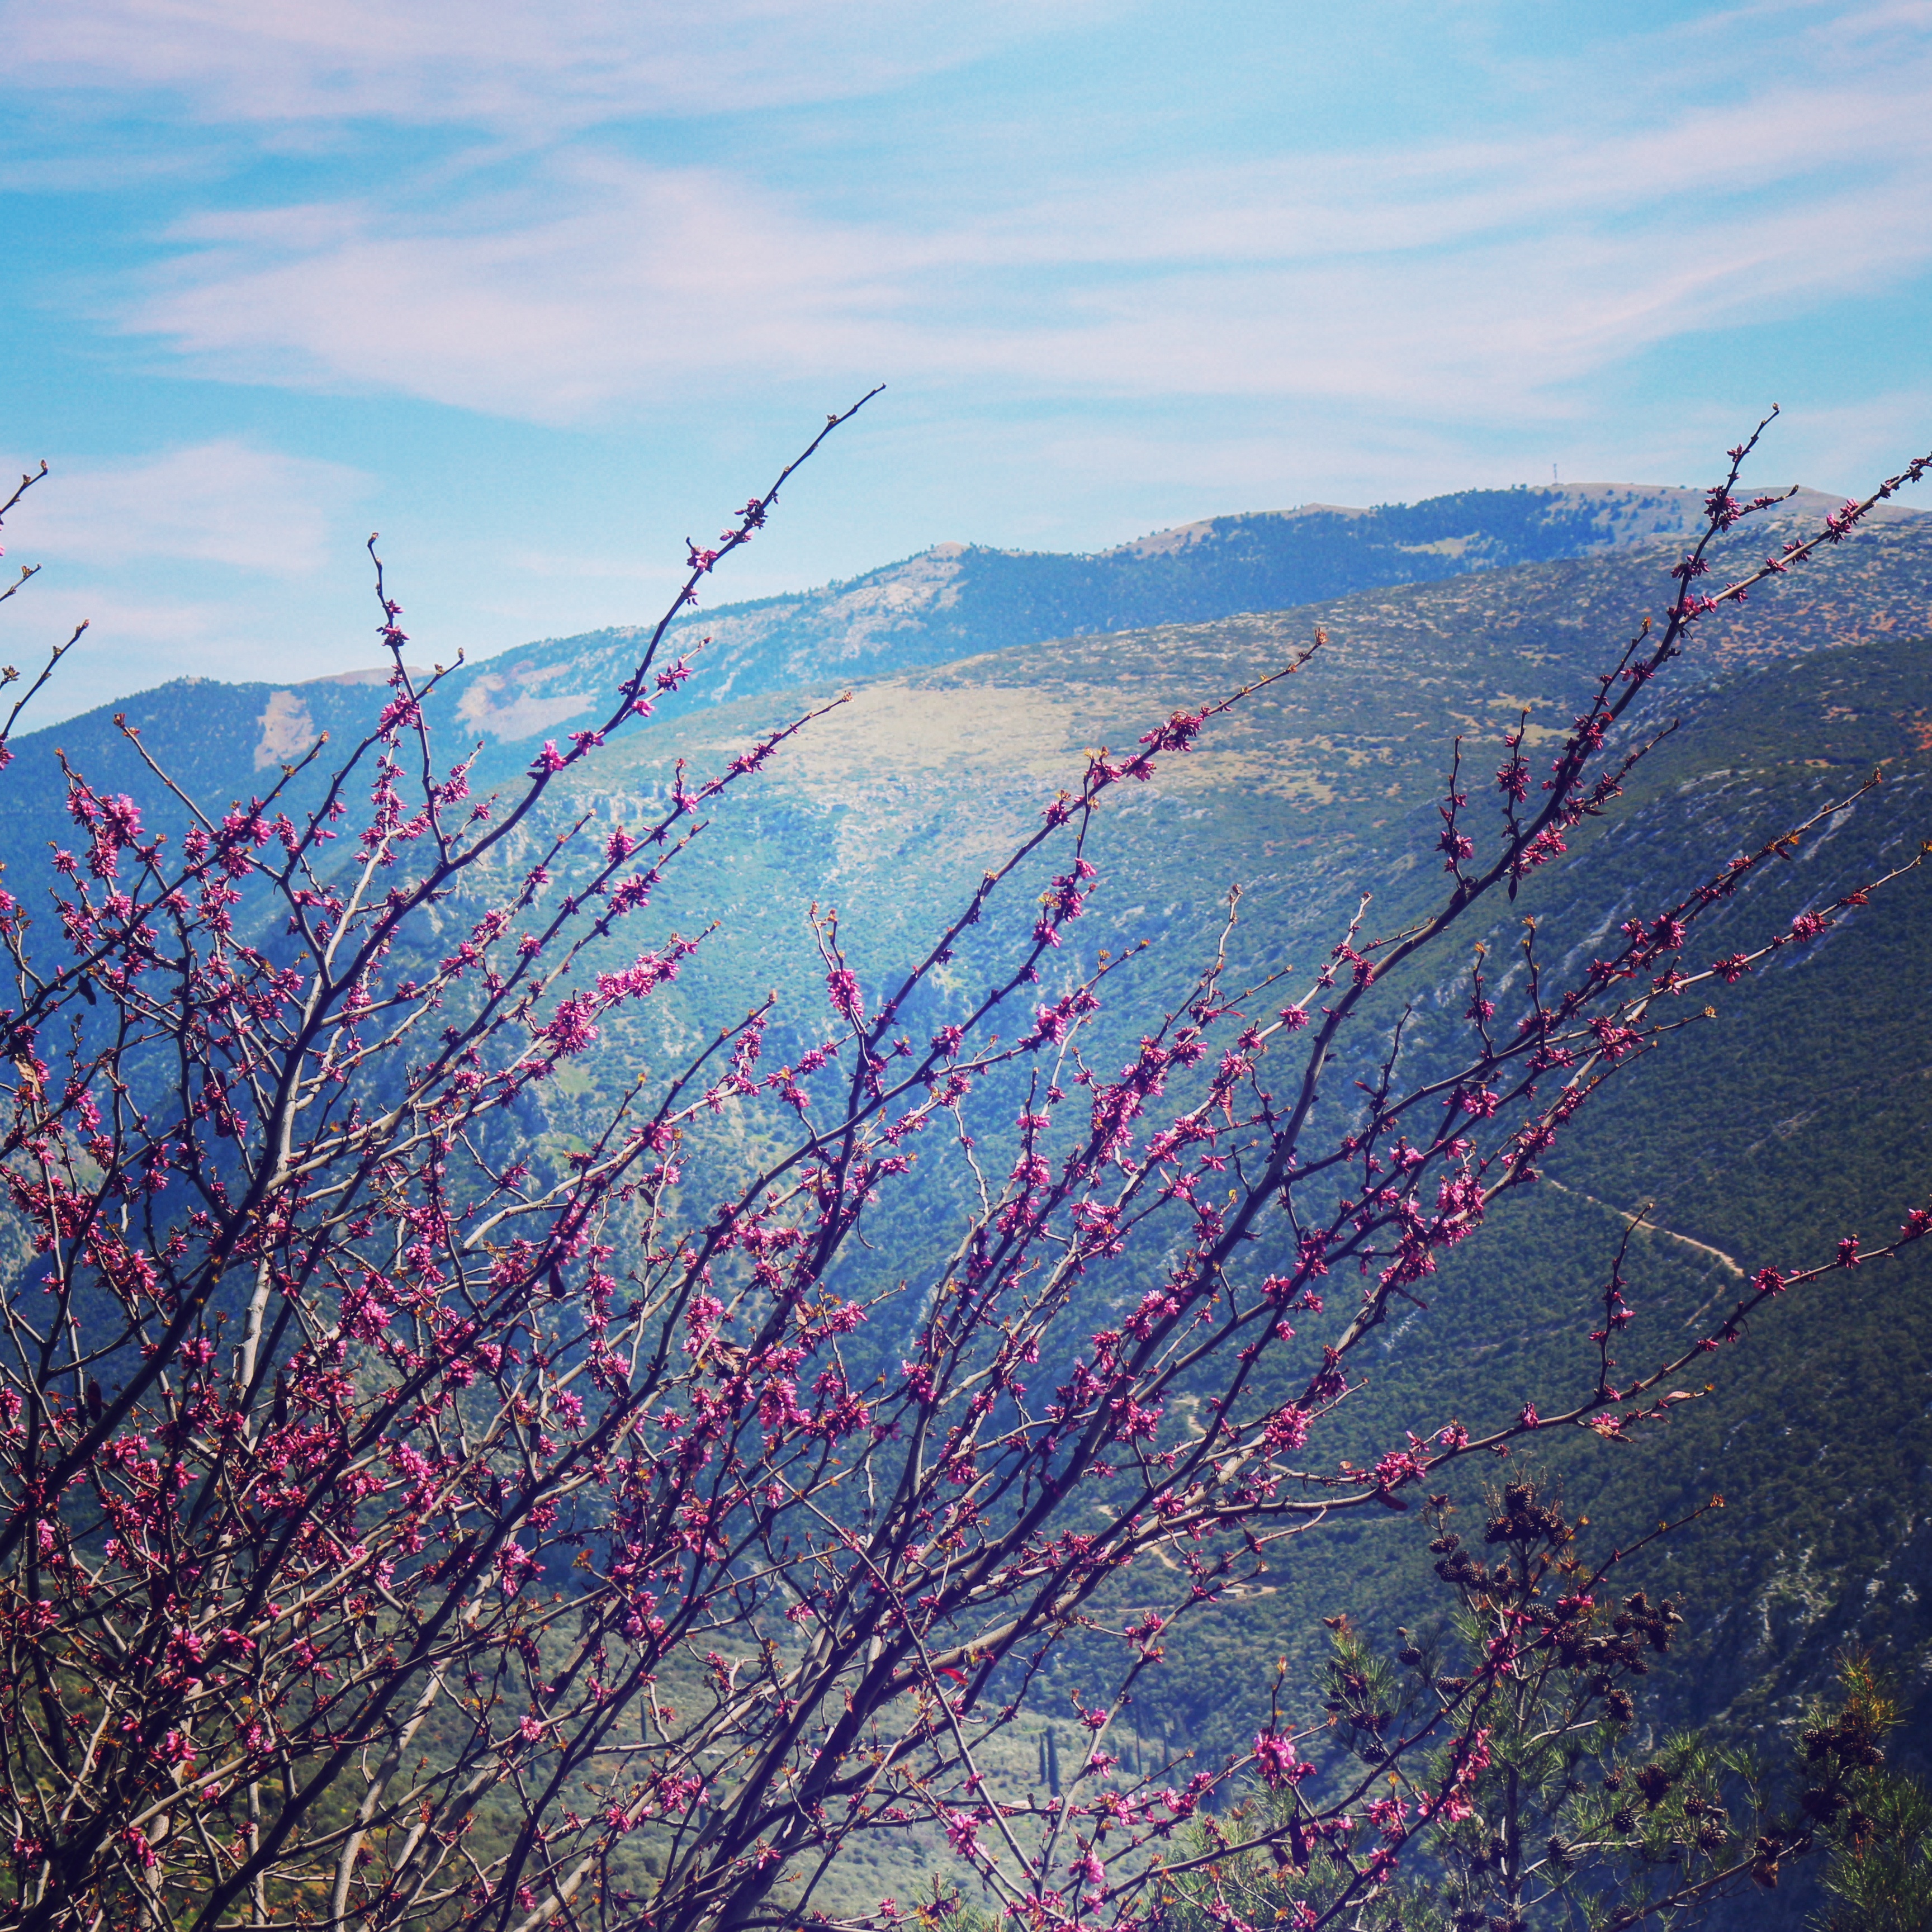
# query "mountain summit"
(953, 601)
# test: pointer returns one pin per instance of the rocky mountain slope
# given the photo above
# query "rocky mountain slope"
(1802, 1114)
(948, 602)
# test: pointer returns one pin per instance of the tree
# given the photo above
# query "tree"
(1564, 1810)
(1877, 1821)
(407, 1525)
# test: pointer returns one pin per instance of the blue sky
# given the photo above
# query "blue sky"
(539, 292)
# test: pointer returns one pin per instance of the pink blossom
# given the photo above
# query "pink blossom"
(570, 1031)
(1275, 1759)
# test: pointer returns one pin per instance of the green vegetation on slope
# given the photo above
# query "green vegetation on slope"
(1799, 1116)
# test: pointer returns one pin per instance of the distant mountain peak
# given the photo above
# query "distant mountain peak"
(954, 601)
(367, 674)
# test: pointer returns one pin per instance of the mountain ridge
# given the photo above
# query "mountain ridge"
(1766, 1138)
(948, 602)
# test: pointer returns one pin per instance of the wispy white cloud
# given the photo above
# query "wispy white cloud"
(226, 502)
(632, 279)
(133, 643)
(1492, 273)
(1098, 314)
(1463, 276)
(1688, 168)
(505, 63)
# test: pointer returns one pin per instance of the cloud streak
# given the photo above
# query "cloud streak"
(226, 502)
(503, 64)
(1472, 276)
(1121, 266)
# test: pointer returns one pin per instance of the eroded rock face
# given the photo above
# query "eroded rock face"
(288, 729)
(521, 702)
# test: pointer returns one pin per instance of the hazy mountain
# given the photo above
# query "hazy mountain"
(228, 741)
(1800, 1116)
(956, 599)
